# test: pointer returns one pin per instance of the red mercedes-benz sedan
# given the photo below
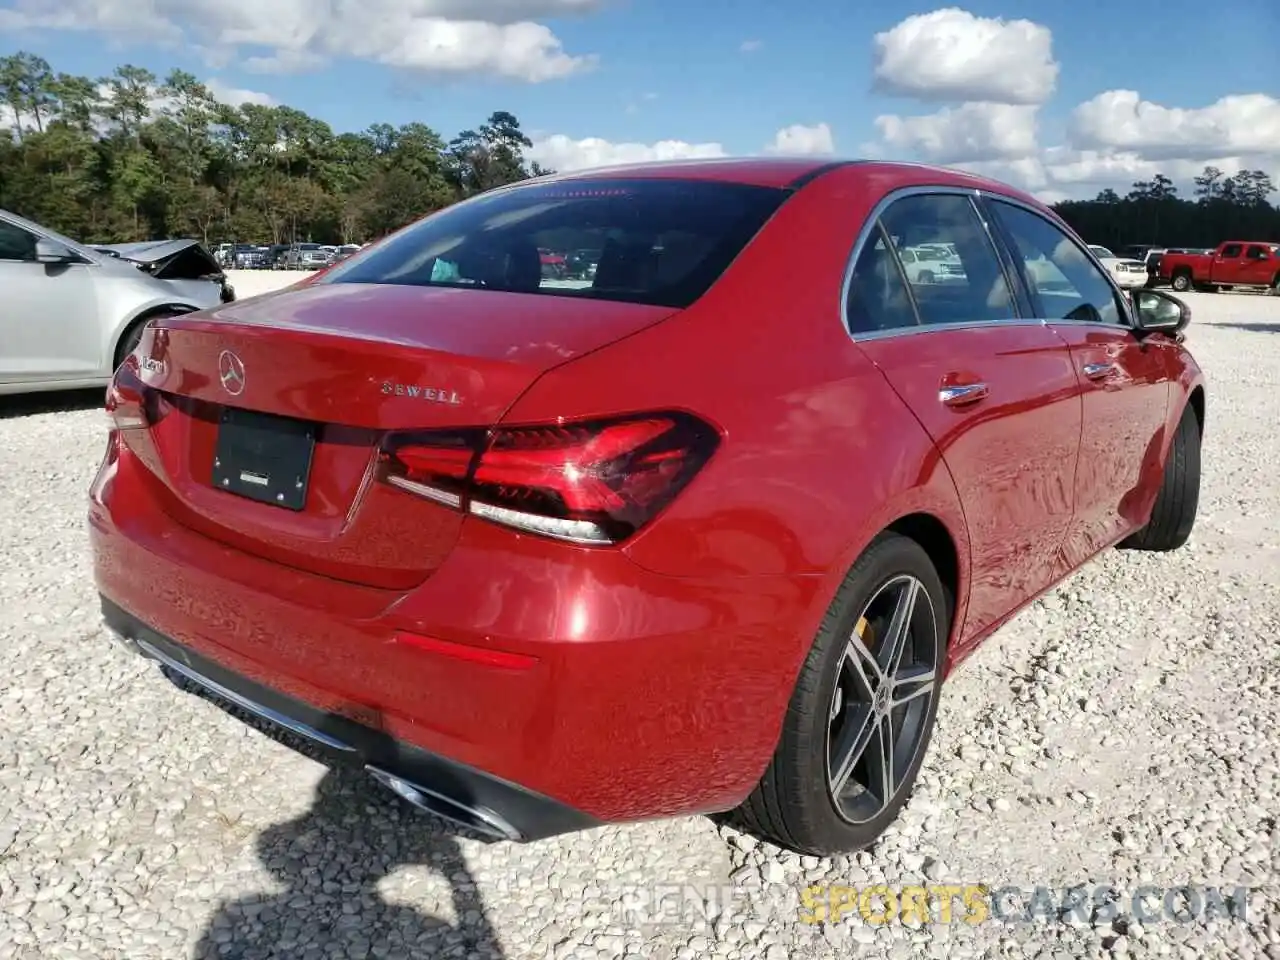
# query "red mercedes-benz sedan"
(702, 533)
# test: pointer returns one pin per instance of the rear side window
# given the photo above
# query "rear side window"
(1231, 250)
(661, 242)
(878, 298)
(966, 284)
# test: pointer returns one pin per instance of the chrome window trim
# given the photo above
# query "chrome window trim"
(1126, 303)
(940, 327)
(871, 225)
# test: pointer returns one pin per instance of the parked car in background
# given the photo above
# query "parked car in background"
(69, 312)
(250, 256)
(678, 539)
(275, 256)
(1234, 263)
(1127, 272)
(1140, 251)
(306, 256)
(184, 264)
(931, 263)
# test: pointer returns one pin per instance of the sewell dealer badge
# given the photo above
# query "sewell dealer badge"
(435, 394)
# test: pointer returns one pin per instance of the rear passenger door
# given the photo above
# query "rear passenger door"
(1260, 267)
(995, 391)
(1124, 382)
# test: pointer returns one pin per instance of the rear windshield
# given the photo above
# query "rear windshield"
(661, 242)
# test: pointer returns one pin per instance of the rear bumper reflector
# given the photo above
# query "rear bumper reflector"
(461, 651)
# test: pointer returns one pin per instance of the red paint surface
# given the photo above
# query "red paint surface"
(648, 679)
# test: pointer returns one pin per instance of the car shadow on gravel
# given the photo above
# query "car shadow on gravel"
(62, 401)
(330, 862)
(1252, 327)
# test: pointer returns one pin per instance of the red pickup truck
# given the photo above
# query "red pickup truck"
(1236, 263)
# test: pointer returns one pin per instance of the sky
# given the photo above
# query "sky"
(1063, 99)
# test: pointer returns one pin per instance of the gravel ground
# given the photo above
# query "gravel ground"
(250, 283)
(1123, 731)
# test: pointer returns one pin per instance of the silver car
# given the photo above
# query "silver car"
(70, 313)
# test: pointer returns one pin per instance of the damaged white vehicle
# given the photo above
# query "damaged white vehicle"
(70, 313)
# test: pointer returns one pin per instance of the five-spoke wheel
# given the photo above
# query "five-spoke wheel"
(858, 725)
(885, 681)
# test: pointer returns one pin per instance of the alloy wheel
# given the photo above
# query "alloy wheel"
(876, 722)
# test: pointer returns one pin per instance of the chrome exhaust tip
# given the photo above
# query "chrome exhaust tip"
(479, 819)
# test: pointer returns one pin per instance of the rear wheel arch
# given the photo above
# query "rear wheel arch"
(936, 540)
(934, 537)
(1196, 402)
(785, 806)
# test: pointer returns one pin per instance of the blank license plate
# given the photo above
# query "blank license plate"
(264, 457)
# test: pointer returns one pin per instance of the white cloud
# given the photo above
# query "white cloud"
(967, 133)
(750, 46)
(562, 153)
(799, 140)
(1063, 172)
(1113, 140)
(455, 37)
(236, 96)
(1121, 120)
(952, 55)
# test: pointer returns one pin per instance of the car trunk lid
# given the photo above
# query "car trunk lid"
(271, 411)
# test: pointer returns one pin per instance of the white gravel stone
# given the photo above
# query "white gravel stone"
(140, 822)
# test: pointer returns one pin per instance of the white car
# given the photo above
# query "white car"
(931, 263)
(70, 313)
(1126, 273)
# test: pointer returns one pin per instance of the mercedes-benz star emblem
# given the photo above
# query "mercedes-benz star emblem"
(231, 372)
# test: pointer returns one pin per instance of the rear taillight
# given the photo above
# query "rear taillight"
(131, 404)
(590, 482)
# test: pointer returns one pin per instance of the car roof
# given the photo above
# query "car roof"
(792, 173)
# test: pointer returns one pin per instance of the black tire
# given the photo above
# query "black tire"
(926, 276)
(1174, 515)
(1275, 286)
(793, 806)
(1181, 281)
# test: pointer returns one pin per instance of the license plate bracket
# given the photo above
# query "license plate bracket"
(264, 457)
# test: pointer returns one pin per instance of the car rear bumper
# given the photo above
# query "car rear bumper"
(476, 800)
(594, 684)
(1130, 280)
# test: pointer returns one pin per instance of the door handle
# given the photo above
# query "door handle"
(1098, 371)
(961, 395)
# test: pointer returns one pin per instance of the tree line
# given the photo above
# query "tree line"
(1221, 208)
(134, 157)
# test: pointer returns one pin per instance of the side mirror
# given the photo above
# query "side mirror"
(49, 251)
(1158, 312)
